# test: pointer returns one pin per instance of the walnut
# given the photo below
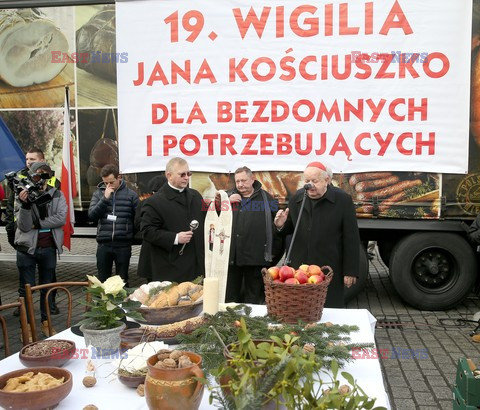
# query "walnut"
(310, 325)
(141, 390)
(184, 361)
(90, 407)
(89, 381)
(163, 354)
(170, 363)
(328, 324)
(176, 354)
(160, 365)
(309, 348)
(344, 389)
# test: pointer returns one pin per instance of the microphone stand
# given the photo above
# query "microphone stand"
(287, 258)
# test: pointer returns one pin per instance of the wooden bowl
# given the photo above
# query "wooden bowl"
(171, 314)
(36, 400)
(52, 358)
(131, 381)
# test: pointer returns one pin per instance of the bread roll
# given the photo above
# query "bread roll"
(184, 287)
(173, 296)
(160, 300)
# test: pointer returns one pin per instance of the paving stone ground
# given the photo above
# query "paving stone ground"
(420, 348)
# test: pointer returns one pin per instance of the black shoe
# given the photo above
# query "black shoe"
(54, 310)
(16, 312)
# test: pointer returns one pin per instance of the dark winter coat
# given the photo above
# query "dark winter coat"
(328, 235)
(165, 214)
(122, 203)
(249, 238)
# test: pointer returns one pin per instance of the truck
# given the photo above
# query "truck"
(419, 220)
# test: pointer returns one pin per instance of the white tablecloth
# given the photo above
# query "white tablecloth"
(109, 393)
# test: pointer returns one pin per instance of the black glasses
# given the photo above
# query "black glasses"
(185, 174)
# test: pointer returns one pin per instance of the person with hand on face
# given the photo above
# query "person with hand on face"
(252, 238)
(165, 226)
(39, 234)
(328, 231)
(113, 207)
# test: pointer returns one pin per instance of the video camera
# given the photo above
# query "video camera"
(20, 180)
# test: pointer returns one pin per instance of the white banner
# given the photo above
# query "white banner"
(360, 85)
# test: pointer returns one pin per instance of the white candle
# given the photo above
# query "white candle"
(210, 295)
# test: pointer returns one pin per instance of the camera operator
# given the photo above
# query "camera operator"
(39, 233)
(33, 155)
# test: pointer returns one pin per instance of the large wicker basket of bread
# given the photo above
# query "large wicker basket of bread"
(165, 302)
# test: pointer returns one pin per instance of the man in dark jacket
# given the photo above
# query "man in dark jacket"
(113, 206)
(165, 225)
(328, 231)
(252, 238)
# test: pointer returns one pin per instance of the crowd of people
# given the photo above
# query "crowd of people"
(326, 234)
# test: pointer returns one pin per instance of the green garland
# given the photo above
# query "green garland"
(331, 341)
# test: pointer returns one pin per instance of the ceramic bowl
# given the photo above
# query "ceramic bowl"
(129, 338)
(171, 314)
(131, 381)
(36, 400)
(52, 356)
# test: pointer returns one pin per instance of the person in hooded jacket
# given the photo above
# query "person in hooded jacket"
(39, 234)
(252, 246)
(113, 207)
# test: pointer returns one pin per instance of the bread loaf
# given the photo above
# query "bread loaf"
(186, 292)
(171, 330)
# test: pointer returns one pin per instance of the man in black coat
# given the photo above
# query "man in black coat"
(113, 207)
(165, 226)
(252, 238)
(328, 231)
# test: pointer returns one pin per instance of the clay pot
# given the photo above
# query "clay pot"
(173, 389)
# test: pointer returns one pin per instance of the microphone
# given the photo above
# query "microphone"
(193, 225)
(307, 187)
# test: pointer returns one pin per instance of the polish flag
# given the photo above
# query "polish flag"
(68, 181)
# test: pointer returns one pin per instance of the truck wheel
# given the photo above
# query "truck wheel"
(351, 292)
(433, 271)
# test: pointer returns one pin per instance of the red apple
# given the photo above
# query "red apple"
(315, 279)
(313, 270)
(277, 281)
(286, 272)
(291, 281)
(303, 267)
(274, 272)
(301, 276)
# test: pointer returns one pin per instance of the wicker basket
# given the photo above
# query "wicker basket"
(291, 303)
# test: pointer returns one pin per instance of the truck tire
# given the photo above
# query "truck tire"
(433, 271)
(353, 291)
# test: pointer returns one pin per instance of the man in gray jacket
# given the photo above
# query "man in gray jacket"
(39, 234)
(113, 207)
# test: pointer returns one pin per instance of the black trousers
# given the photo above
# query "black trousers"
(107, 255)
(245, 285)
(46, 260)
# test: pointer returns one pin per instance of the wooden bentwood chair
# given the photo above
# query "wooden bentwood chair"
(50, 286)
(23, 323)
